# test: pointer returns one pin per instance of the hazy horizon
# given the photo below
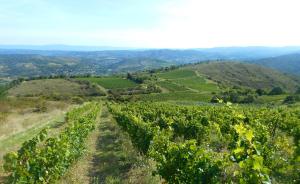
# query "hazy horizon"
(150, 24)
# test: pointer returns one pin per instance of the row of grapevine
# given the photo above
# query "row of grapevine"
(45, 159)
(215, 144)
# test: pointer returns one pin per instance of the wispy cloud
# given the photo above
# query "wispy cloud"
(168, 23)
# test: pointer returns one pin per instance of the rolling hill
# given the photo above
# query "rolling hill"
(287, 63)
(27, 63)
(24, 65)
(247, 75)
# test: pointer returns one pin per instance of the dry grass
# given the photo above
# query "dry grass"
(23, 122)
(21, 118)
(47, 87)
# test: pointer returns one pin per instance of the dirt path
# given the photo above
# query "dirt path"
(110, 158)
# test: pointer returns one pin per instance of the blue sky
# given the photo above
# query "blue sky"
(150, 23)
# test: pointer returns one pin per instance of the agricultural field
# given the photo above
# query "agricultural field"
(172, 87)
(175, 74)
(149, 92)
(166, 126)
(180, 79)
(215, 144)
(52, 87)
(176, 96)
(110, 82)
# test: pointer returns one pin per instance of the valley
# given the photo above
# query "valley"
(134, 125)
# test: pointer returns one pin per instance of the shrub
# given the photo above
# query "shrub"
(276, 91)
(261, 92)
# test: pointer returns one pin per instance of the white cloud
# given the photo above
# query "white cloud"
(205, 23)
(191, 23)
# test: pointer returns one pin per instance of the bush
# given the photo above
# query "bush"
(291, 99)
(298, 90)
(215, 99)
(261, 92)
(276, 91)
(248, 99)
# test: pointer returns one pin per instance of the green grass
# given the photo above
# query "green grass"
(171, 86)
(175, 74)
(197, 83)
(181, 79)
(111, 82)
(246, 75)
(271, 99)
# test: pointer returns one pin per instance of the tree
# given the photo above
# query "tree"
(290, 100)
(298, 90)
(260, 92)
(276, 91)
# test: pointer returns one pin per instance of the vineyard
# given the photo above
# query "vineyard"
(215, 144)
(45, 159)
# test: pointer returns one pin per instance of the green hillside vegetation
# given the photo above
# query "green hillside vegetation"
(110, 82)
(172, 87)
(176, 96)
(56, 88)
(188, 79)
(247, 75)
(176, 120)
(177, 73)
(287, 63)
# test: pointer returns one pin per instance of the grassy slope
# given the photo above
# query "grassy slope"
(47, 87)
(286, 63)
(248, 75)
(111, 82)
(186, 79)
(182, 85)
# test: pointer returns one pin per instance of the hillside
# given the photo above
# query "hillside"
(286, 63)
(54, 88)
(248, 75)
(27, 63)
(120, 128)
(37, 65)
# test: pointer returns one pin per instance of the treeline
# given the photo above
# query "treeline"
(247, 95)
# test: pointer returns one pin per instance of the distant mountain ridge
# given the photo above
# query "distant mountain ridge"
(61, 47)
(287, 63)
(188, 55)
(27, 63)
(244, 74)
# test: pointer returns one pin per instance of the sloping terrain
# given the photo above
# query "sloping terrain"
(286, 63)
(24, 65)
(53, 87)
(248, 75)
(28, 63)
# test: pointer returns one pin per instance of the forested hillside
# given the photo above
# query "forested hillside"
(286, 63)
(242, 74)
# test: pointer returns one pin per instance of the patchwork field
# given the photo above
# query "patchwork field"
(186, 79)
(110, 82)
